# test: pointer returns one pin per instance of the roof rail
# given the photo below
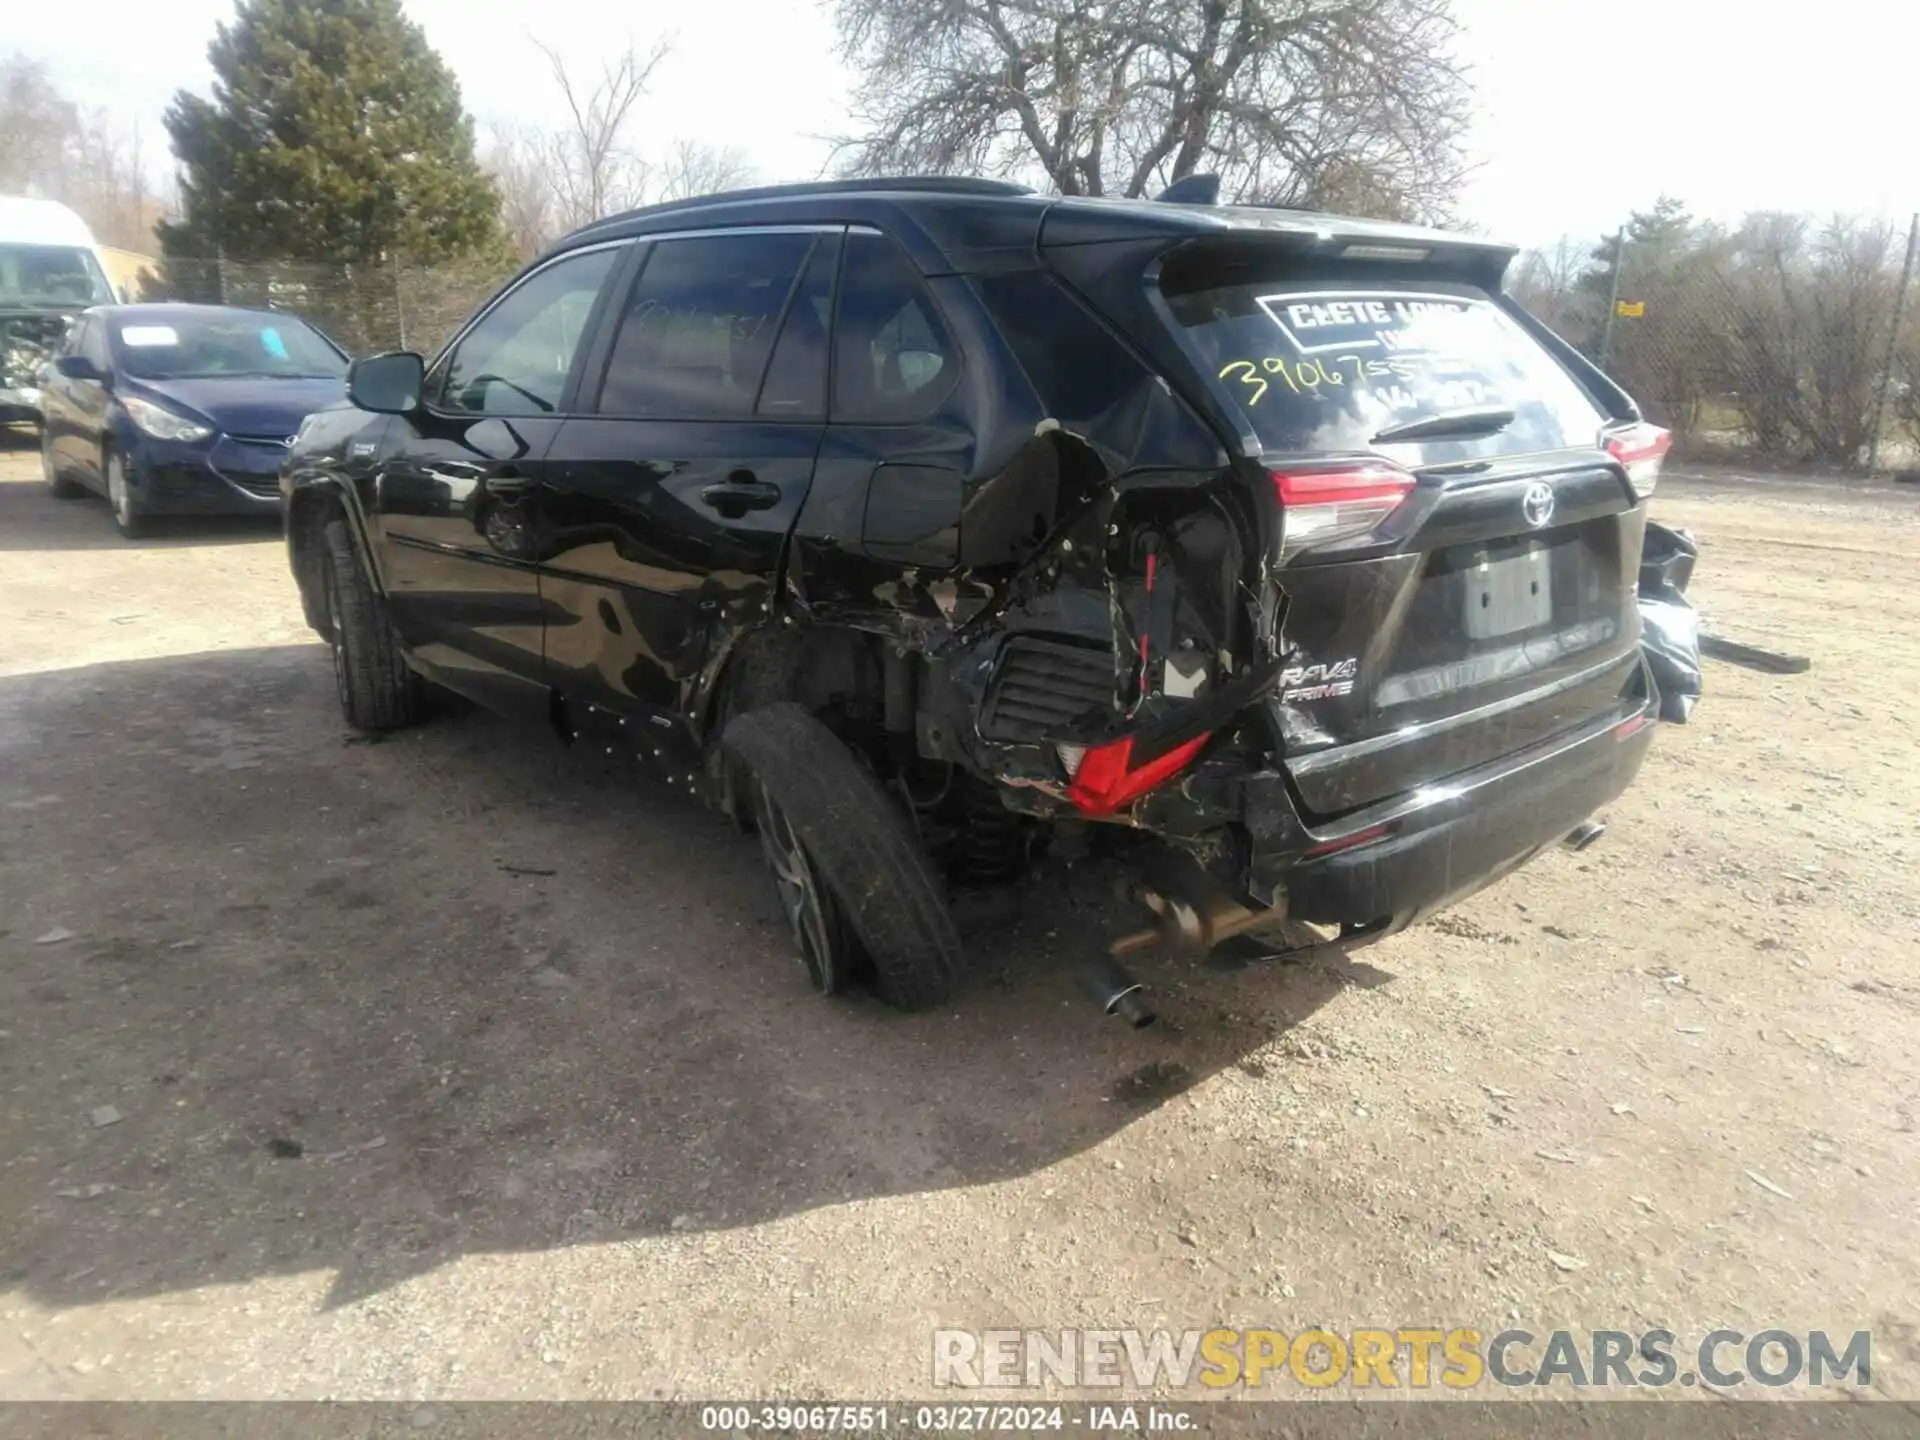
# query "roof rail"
(881, 184)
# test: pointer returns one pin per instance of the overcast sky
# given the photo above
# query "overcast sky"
(1586, 110)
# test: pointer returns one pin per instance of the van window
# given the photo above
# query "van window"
(51, 276)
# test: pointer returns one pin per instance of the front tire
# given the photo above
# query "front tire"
(827, 826)
(377, 691)
(127, 515)
(61, 487)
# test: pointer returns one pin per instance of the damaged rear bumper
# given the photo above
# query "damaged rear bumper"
(1386, 866)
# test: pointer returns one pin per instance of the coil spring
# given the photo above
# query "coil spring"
(992, 845)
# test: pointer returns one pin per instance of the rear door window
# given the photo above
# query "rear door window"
(697, 331)
(893, 360)
(795, 387)
(1319, 367)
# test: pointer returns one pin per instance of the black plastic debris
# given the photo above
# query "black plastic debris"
(1669, 625)
(1773, 662)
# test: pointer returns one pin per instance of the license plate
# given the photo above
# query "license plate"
(1509, 595)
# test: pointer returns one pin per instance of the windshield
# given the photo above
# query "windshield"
(1330, 367)
(183, 346)
(51, 276)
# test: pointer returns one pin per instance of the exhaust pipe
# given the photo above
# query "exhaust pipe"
(1114, 989)
(1583, 835)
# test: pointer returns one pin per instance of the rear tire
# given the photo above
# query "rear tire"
(61, 487)
(377, 691)
(878, 885)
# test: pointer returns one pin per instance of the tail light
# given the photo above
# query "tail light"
(1640, 449)
(1318, 506)
(1349, 842)
(1106, 778)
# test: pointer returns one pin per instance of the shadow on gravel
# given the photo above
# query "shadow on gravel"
(275, 1002)
(33, 518)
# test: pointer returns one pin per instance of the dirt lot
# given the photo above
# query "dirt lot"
(460, 1065)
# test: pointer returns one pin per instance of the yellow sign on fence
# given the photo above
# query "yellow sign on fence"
(1630, 309)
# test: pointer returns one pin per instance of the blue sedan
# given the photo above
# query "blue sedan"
(182, 409)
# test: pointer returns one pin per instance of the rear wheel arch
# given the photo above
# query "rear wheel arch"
(818, 667)
(824, 670)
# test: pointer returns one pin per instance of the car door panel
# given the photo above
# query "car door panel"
(56, 407)
(894, 481)
(664, 518)
(451, 497)
(83, 407)
(645, 563)
(454, 494)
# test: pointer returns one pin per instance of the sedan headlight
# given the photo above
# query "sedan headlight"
(162, 423)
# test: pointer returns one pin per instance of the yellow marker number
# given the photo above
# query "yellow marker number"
(1250, 376)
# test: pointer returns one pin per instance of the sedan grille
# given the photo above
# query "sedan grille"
(251, 461)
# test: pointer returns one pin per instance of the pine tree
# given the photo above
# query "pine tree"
(335, 133)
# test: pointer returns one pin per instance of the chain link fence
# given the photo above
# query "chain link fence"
(366, 307)
(1789, 340)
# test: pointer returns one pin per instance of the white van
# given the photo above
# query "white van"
(50, 270)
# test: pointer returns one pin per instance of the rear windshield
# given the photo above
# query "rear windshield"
(1319, 368)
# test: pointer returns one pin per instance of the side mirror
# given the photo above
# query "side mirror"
(79, 367)
(387, 384)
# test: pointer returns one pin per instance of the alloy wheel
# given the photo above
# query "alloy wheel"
(808, 906)
(119, 496)
(336, 636)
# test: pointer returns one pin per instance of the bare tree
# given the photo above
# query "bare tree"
(1552, 283)
(517, 160)
(37, 127)
(692, 169)
(1801, 322)
(52, 147)
(1288, 100)
(591, 170)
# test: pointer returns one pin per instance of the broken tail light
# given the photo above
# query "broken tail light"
(1640, 448)
(1318, 506)
(1106, 778)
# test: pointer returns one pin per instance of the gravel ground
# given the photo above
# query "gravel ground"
(462, 1066)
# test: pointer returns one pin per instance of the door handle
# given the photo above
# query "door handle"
(739, 493)
(508, 486)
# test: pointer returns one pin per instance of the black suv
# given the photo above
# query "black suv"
(925, 524)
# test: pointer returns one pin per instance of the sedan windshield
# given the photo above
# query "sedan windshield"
(50, 276)
(185, 346)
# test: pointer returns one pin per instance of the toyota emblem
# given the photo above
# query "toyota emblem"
(1537, 504)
